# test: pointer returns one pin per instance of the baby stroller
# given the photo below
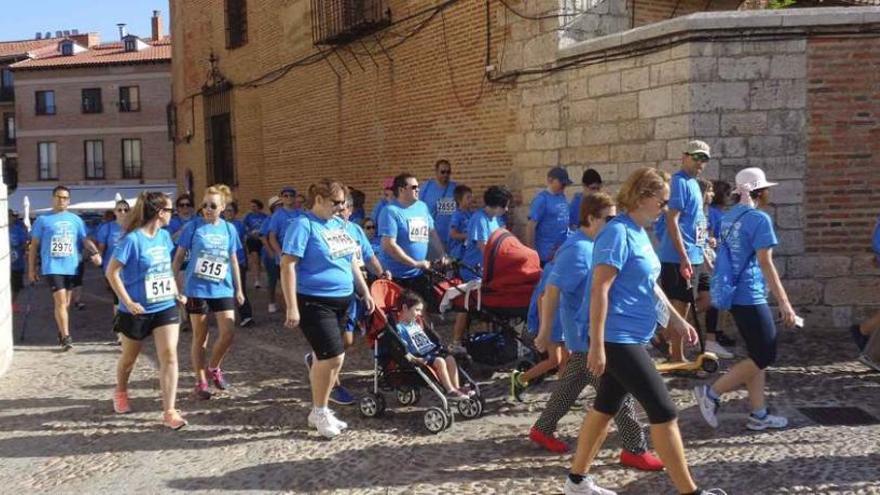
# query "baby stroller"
(510, 273)
(393, 373)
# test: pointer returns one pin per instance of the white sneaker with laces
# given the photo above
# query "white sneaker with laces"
(585, 487)
(708, 406)
(324, 424)
(273, 308)
(336, 421)
(718, 350)
(768, 421)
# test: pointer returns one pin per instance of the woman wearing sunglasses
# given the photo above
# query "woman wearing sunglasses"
(212, 284)
(108, 237)
(319, 275)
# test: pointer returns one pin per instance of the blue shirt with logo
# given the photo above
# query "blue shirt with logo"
(460, 221)
(715, 216)
(685, 196)
(411, 227)
(574, 210)
(572, 273)
(325, 249)
(744, 237)
(212, 248)
(480, 228)
(108, 234)
(551, 214)
(241, 254)
(280, 220)
(18, 239)
(365, 249)
(146, 270)
(632, 315)
(61, 238)
(253, 222)
(441, 204)
(418, 343)
(268, 261)
(533, 319)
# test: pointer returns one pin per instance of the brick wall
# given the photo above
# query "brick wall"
(154, 85)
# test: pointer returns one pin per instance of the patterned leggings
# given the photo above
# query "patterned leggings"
(575, 377)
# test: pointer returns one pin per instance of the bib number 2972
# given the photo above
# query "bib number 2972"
(418, 230)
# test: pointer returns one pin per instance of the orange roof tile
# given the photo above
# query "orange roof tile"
(23, 47)
(104, 54)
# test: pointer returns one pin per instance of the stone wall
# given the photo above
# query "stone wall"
(639, 96)
(5, 289)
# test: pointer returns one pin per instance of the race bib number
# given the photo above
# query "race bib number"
(160, 287)
(339, 243)
(212, 268)
(61, 246)
(702, 234)
(662, 312)
(418, 230)
(446, 206)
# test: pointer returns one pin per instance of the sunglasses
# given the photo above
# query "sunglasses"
(609, 218)
(337, 204)
(412, 187)
(211, 206)
(167, 209)
(444, 172)
(184, 205)
(700, 157)
(370, 227)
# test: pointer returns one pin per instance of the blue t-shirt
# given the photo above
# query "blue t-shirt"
(572, 273)
(268, 261)
(751, 232)
(377, 209)
(460, 219)
(480, 228)
(685, 196)
(108, 234)
(574, 211)
(441, 204)
(357, 216)
(211, 248)
(280, 220)
(146, 270)
(715, 216)
(533, 319)
(176, 223)
(632, 314)
(18, 238)
(324, 249)
(876, 239)
(376, 244)
(253, 222)
(551, 213)
(418, 343)
(411, 227)
(61, 238)
(241, 254)
(365, 249)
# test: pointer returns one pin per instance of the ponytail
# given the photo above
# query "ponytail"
(148, 206)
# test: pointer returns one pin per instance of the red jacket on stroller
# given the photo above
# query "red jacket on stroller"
(511, 270)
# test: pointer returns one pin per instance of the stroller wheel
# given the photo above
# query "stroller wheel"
(436, 420)
(372, 405)
(471, 408)
(408, 396)
(710, 365)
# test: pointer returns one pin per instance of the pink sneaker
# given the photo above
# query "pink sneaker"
(201, 391)
(120, 403)
(217, 377)
(172, 419)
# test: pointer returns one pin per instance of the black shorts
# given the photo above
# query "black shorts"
(322, 320)
(755, 324)
(78, 276)
(630, 370)
(59, 282)
(674, 285)
(203, 306)
(16, 280)
(703, 282)
(253, 245)
(139, 327)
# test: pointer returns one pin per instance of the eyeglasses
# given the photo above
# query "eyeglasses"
(662, 203)
(413, 187)
(184, 205)
(337, 204)
(211, 206)
(444, 172)
(370, 227)
(167, 210)
(62, 198)
(700, 157)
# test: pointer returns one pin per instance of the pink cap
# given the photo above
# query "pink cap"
(388, 183)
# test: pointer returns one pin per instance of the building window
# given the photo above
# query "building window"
(132, 167)
(9, 128)
(6, 80)
(45, 103)
(94, 159)
(67, 49)
(91, 100)
(47, 159)
(130, 45)
(236, 23)
(129, 99)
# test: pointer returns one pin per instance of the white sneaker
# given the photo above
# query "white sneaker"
(273, 308)
(338, 422)
(324, 424)
(718, 350)
(585, 487)
(769, 421)
(708, 406)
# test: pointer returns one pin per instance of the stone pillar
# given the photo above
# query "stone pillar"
(5, 290)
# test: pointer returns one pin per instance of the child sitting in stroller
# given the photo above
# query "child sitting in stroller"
(422, 350)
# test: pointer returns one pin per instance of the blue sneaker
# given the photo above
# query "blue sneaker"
(339, 395)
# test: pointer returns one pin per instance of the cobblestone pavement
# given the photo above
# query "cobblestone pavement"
(58, 432)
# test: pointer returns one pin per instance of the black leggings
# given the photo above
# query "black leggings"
(629, 369)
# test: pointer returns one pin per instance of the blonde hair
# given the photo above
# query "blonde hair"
(324, 188)
(643, 183)
(592, 206)
(220, 189)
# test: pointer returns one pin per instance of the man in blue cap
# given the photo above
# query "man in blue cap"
(549, 216)
(281, 218)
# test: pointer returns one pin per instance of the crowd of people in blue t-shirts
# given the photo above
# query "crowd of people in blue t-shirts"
(619, 274)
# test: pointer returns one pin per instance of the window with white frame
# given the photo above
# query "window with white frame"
(94, 159)
(47, 160)
(132, 166)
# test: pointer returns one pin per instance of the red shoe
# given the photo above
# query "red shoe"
(645, 461)
(548, 442)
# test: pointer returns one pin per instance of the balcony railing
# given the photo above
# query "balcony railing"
(337, 22)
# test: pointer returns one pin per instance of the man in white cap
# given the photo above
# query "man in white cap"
(682, 243)
(745, 265)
